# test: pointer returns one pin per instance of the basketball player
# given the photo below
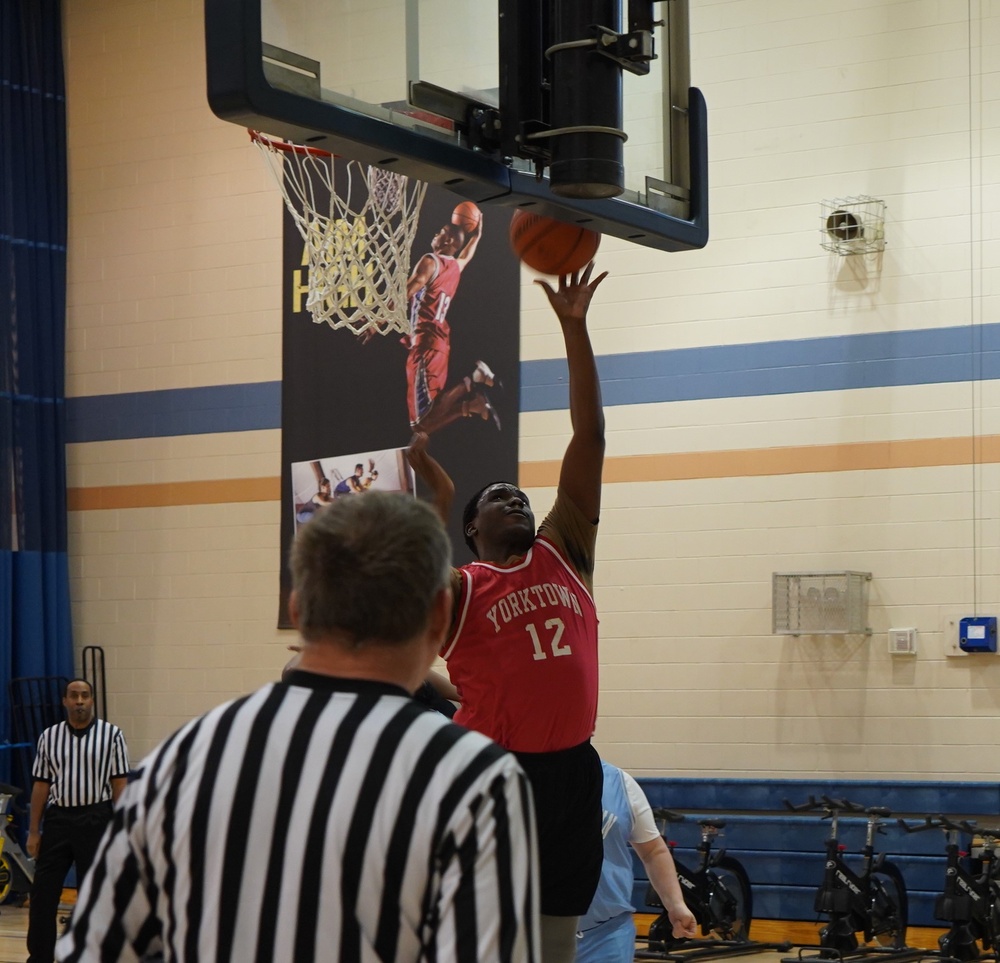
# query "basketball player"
(522, 649)
(607, 932)
(430, 290)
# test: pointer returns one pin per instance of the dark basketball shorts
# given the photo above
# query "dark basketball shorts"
(567, 787)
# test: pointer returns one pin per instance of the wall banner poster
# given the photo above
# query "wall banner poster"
(349, 403)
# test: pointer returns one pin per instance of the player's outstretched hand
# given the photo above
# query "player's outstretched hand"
(572, 298)
(431, 474)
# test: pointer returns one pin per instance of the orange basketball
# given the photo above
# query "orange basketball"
(549, 246)
(467, 216)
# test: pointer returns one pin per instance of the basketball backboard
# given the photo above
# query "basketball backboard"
(457, 93)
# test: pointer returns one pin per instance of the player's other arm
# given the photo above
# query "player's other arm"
(662, 872)
(443, 686)
(580, 476)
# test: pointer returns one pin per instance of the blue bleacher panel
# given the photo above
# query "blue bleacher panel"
(782, 851)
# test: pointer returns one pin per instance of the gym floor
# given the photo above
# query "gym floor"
(14, 926)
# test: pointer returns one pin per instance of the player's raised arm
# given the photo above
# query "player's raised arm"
(580, 476)
(472, 239)
(430, 472)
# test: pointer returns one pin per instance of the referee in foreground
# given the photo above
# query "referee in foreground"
(328, 816)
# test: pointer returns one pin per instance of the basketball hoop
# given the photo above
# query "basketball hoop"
(358, 238)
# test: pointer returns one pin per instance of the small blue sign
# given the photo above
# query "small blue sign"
(978, 634)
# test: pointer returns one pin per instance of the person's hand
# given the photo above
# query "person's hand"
(572, 298)
(416, 451)
(683, 921)
(34, 841)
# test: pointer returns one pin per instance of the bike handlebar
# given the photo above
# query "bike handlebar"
(930, 822)
(952, 825)
(830, 805)
(843, 805)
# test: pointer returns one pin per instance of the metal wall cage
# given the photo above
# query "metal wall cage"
(852, 225)
(820, 603)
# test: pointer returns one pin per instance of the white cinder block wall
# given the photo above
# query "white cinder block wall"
(175, 283)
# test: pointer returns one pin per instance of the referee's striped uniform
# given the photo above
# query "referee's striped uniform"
(79, 764)
(322, 819)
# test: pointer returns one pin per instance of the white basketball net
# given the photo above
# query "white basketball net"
(359, 256)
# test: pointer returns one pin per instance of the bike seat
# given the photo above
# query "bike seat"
(713, 823)
(878, 811)
(9, 790)
(668, 814)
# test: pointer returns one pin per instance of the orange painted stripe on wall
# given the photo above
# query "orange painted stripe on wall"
(681, 466)
(860, 456)
(174, 493)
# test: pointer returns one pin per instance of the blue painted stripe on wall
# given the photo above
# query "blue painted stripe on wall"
(934, 356)
(176, 411)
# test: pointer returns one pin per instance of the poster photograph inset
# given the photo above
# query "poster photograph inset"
(318, 482)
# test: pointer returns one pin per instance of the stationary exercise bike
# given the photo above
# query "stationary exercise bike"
(970, 900)
(871, 901)
(17, 868)
(716, 890)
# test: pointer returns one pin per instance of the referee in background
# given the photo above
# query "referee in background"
(79, 771)
(327, 816)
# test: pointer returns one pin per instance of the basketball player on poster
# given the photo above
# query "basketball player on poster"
(430, 289)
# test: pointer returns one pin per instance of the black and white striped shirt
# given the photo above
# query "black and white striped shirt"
(79, 764)
(317, 819)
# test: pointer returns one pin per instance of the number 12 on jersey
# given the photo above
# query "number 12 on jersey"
(555, 629)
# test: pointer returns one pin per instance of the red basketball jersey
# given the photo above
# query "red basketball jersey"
(523, 652)
(429, 306)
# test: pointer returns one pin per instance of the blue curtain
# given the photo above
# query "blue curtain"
(35, 630)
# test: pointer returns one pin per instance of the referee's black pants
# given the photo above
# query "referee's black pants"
(70, 835)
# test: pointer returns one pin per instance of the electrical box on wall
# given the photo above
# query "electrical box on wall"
(978, 634)
(902, 641)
